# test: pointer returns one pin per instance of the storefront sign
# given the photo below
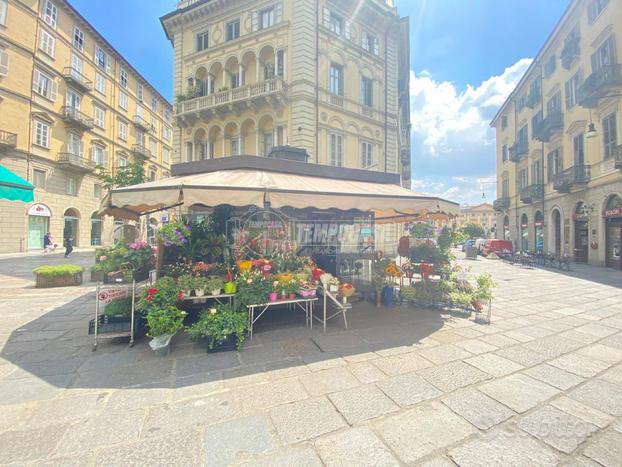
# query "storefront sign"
(39, 210)
(615, 212)
(109, 295)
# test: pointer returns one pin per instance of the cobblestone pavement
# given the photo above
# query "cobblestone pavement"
(541, 385)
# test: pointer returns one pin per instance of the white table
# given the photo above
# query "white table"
(340, 307)
(220, 298)
(305, 304)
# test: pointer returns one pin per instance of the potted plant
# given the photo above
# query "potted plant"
(62, 275)
(163, 324)
(274, 291)
(307, 289)
(97, 272)
(186, 284)
(230, 287)
(200, 286)
(214, 285)
(253, 289)
(292, 289)
(483, 292)
(222, 328)
(408, 294)
(333, 285)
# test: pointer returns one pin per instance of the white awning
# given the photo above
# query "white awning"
(243, 187)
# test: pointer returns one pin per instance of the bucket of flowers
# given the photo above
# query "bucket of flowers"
(346, 290)
(333, 285)
(307, 289)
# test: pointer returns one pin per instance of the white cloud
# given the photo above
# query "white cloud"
(452, 144)
(444, 117)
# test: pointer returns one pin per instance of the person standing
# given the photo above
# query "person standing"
(48, 243)
(68, 240)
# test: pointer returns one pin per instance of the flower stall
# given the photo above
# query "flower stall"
(267, 233)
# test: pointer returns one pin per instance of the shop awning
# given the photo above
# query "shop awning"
(244, 187)
(15, 188)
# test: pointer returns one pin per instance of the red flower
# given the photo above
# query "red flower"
(152, 291)
(149, 298)
(180, 296)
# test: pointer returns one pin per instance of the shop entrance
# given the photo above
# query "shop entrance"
(524, 233)
(613, 219)
(581, 234)
(72, 223)
(539, 232)
(38, 225)
(557, 231)
(506, 228)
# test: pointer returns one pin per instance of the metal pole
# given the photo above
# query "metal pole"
(96, 314)
(133, 304)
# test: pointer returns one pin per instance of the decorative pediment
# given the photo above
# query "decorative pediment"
(43, 116)
(576, 127)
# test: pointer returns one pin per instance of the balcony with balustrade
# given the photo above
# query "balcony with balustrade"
(518, 151)
(76, 119)
(534, 97)
(577, 175)
(141, 151)
(571, 50)
(549, 127)
(601, 83)
(272, 91)
(532, 193)
(142, 124)
(617, 157)
(8, 140)
(501, 204)
(76, 79)
(75, 162)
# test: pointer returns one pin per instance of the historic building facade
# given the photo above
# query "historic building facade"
(327, 76)
(559, 153)
(69, 102)
(482, 214)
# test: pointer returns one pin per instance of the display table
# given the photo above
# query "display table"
(220, 298)
(332, 299)
(304, 304)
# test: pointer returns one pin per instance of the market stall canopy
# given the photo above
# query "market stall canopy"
(244, 187)
(14, 187)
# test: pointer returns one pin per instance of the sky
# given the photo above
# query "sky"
(466, 57)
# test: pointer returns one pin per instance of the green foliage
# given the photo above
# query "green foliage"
(408, 293)
(473, 230)
(121, 307)
(174, 233)
(132, 174)
(460, 236)
(176, 270)
(485, 284)
(166, 320)
(214, 283)
(161, 295)
(427, 253)
(59, 270)
(460, 298)
(422, 230)
(200, 283)
(217, 327)
(252, 289)
(186, 282)
(445, 240)
(288, 262)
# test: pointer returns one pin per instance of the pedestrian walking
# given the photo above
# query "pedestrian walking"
(48, 243)
(68, 241)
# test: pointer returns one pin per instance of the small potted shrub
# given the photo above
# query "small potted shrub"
(214, 285)
(186, 284)
(163, 324)
(222, 328)
(230, 287)
(97, 273)
(63, 275)
(483, 292)
(274, 292)
(200, 286)
(407, 294)
(292, 289)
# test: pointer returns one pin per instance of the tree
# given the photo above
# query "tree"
(422, 230)
(132, 174)
(473, 230)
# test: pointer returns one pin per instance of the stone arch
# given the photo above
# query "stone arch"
(556, 232)
(265, 131)
(336, 121)
(71, 225)
(248, 62)
(266, 56)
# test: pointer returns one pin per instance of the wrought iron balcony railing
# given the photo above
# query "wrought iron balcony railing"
(142, 124)
(7, 139)
(141, 151)
(570, 51)
(532, 193)
(75, 118)
(518, 151)
(77, 79)
(599, 84)
(548, 127)
(533, 98)
(575, 175)
(76, 162)
(501, 204)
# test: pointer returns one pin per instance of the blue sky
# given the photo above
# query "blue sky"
(466, 56)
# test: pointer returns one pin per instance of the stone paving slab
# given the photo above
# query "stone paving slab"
(519, 392)
(479, 409)
(606, 449)
(362, 403)
(408, 389)
(355, 447)
(453, 375)
(419, 431)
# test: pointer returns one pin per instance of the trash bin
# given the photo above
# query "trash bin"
(471, 252)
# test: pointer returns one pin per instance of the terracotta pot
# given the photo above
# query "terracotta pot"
(273, 296)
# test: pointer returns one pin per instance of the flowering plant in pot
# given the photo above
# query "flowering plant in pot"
(292, 288)
(163, 324)
(187, 284)
(253, 289)
(274, 291)
(333, 285)
(483, 292)
(223, 328)
(200, 286)
(214, 285)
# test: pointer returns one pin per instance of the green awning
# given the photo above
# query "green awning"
(15, 188)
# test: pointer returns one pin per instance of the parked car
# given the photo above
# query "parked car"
(497, 246)
(479, 244)
(467, 244)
